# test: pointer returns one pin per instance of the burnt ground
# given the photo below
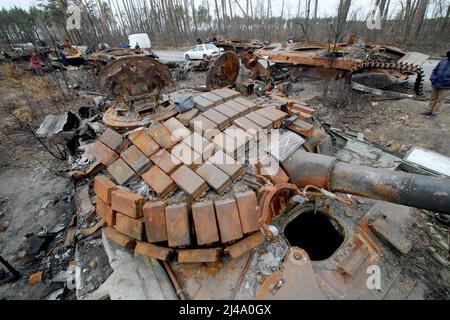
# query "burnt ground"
(35, 193)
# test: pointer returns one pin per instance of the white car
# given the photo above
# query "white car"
(201, 51)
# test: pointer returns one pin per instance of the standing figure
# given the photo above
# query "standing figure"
(440, 82)
(36, 64)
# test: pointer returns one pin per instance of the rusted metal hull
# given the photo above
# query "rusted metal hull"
(326, 61)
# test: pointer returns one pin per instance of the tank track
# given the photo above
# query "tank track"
(400, 67)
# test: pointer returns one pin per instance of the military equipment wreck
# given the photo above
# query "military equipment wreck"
(98, 60)
(327, 61)
(238, 191)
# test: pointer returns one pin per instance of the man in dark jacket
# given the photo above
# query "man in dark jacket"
(440, 82)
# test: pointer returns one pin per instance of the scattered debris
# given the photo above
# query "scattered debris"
(36, 277)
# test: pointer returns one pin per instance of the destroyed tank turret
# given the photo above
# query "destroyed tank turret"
(229, 220)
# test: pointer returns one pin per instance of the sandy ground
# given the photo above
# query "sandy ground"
(32, 197)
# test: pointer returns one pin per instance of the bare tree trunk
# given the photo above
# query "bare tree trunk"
(417, 21)
(315, 9)
(386, 10)
(217, 15)
(231, 9)
(446, 19)
(194, 16)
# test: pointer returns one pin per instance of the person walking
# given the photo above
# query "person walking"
(440, 82)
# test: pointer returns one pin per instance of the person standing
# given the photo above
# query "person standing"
(36, 64)
(440, 82)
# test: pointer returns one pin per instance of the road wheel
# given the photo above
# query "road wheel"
(187, 57)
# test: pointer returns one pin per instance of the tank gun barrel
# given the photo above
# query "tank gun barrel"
(414, 190)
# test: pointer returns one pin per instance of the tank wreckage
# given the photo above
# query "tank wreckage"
(244, 197)
(327, 61)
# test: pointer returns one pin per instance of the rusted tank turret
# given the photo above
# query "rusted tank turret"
(192, 189)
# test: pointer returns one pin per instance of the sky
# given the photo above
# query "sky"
(326, 7)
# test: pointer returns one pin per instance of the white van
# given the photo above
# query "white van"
(140, 38)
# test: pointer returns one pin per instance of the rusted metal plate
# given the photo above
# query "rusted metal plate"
(119, 238)
(246, 124)
(241, 109)
(216, 99)
(223, 72)
(246, 103)
(228, 219)
(160, 182)
(199, 255)
(127, 203)
(145, 143)
(203, 126)
(152, 251)
(190, 182)
(296, 280)
(178, 226)
(187, 155)
(227, 164)
(233, 93)
(165, 161)
(239, 135)
(285, 145)
(352, 263)
(302, 127)
(225, 94)
(187, 116)
(103, 187)
(202, 103)
(135, 159)
(273, 114)
(134, 76)
(121, 172)
(243, 246)
(200, 145)
(106, 213)
(259, 120)
(155, 221)
(391, 234)
(248, 211)
(178, 130)
(113, 140)
(235, 148)
(161, 135)
(102, 153)
(228, 112)
(205, 223)
(216, 117)
(216, 178)
(131, 227)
